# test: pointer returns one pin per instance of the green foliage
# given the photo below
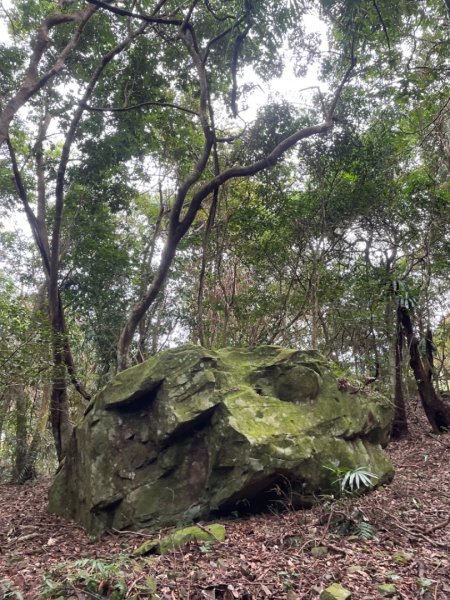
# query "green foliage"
(356, 479)
(98, 579)
(348, 526)
(9, 592)
(364, 531)
(405, 297)
(91, 576)
(24, 332)
(353, 480)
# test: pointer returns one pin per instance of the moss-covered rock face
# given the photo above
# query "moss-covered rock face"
(193, 432)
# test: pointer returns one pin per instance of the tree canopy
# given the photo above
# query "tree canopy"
(165, 206)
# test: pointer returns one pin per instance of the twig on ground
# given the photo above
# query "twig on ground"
(413, 534)
(440, 525)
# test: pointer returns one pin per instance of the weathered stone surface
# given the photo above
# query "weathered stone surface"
(335, 592)
(193, 432)
(402, 558)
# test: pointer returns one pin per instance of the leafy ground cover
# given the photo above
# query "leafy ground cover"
(393, 542)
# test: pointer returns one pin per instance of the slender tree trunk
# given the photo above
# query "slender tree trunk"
(315, 309)
(59, 405)
(146, 273)
(315, 319)
(139, 310)
(201, 280)
(21, 442)
(5, 404)
(436, 409)
(28, 469)
(400, 425)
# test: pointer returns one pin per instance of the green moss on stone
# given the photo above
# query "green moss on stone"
(335, 592)
(191, 431)
(211, 533)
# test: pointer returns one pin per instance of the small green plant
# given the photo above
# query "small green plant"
(206, 547)
(7, 590)
(289, 579)
(357, 479)
(94, 577)
(91, 578)
(350, 482)
(364, 531)
(353, 480)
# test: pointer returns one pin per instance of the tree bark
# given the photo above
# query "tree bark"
(400, 424)
(21, 405)
(420, 360)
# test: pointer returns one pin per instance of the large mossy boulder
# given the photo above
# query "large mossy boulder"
(191, 433)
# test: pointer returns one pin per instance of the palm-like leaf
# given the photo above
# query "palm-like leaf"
(357, 478)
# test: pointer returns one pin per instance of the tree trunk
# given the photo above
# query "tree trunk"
(420, 360)
(201, 280)
(5, 404)
(139, 310)
(20, 451)
(59, 405)
(28, 468)
(62, 365)
(400, 425)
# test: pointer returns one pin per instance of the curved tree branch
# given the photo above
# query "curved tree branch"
(383, 24)
(178, 228)
(38, 235)
(239, 42)
(32, 82)
(122, 12)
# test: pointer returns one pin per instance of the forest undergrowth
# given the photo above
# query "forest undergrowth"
(393, 542)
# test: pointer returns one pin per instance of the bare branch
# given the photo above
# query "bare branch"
(141, 105)
(31, 217)
(122, 12)
(338, 92)
(215, 15)
(383, 24)
(229, 139)
(218, 37)
(40, 176)
(236, 50)
(189, 14)
(188, 36)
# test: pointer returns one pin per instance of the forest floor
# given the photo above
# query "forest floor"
(406, 523)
